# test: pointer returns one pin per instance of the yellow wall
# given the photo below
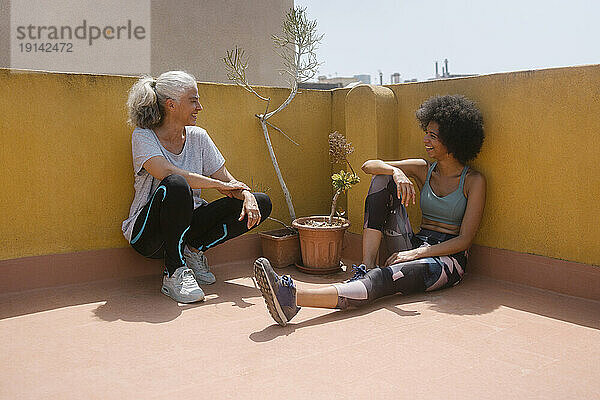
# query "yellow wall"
(540, 157)
(65, 153)
(66, 156)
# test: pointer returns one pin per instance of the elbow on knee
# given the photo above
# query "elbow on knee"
(175, 180)
(177, 186)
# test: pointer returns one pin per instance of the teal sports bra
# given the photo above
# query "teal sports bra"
(449, 209)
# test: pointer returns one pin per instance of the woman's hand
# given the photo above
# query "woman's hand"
(250, 208)
(227, 187)
(401, 256)
(406, 189)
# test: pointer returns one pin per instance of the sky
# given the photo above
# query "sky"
(477, 37)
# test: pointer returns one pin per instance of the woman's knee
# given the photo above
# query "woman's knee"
(377, 202)
(176, 185)
(264, 205)
(379, 283)
(379, 183)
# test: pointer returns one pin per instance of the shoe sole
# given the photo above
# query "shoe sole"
(260, 276)
(165, 291)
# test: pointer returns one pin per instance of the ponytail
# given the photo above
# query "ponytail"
(142, 104)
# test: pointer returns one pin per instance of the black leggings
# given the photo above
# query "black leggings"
(168, 221)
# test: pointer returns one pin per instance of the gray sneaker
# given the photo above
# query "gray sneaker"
(199, 265)
(279, 292)
(182, 286)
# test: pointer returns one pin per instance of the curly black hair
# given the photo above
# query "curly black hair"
(460, 121)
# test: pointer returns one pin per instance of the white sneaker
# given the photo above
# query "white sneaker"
(182, 286)
(199, 265)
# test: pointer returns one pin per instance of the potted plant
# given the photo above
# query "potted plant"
(321, 237)
(296, 46)
(281, 246)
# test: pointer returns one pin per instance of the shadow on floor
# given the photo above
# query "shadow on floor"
(133, 299)
(150, 305)
(140, 300)
(474, 296)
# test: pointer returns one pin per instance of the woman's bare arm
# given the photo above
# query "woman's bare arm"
(160, 168)
(412, 167)
(401, 172)
(249, 205)
(222, 174)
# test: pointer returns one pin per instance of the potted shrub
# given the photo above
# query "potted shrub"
(322, 237)
(296, 46)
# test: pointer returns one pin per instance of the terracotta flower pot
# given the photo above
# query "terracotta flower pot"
(321, 245)
(281, 247)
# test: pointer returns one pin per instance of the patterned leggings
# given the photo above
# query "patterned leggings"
(384, 212)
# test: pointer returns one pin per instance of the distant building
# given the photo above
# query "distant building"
(337, 80)
(319, 85)
(445, 73)
(345, 81)
(186, 34)
(364, 78)
(395, 78)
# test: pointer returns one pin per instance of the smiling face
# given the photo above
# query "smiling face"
(433, 145)
(185, 111)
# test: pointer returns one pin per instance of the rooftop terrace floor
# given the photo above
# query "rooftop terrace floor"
(483, 339)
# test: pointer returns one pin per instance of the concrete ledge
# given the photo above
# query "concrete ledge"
(87, 266)
(566, 277)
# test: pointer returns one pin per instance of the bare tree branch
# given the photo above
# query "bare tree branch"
(296, 46)
(282, 132)
(236, 70)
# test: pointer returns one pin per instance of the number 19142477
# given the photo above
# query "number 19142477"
(46, 47)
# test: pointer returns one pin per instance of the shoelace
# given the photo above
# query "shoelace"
(199, 261)
(287, 281)
(359, 272)
(187, 279)
(203, 263)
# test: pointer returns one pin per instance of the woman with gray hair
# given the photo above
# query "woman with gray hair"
(173, 160)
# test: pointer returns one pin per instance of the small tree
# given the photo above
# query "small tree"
(296, 46)
(339, 150)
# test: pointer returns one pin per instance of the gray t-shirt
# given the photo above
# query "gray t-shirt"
(199, 155)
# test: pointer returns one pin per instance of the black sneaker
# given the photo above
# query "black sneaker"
(279, 292)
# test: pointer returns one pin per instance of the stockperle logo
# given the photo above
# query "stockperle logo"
(106, 36)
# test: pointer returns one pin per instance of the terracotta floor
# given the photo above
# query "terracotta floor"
(483, 339)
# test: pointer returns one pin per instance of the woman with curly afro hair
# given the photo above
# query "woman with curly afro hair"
(452, 201)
